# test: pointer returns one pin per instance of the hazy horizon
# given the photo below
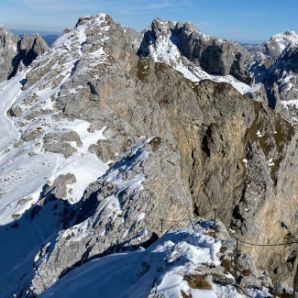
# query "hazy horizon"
(239, 20)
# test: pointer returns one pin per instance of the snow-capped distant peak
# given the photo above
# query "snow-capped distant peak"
(285, 38)
(279, 42)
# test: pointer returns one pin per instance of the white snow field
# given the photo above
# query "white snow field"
(25, 167)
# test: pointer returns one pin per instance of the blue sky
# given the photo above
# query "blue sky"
(243, 20)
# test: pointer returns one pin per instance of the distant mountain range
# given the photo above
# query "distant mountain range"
(49, 37)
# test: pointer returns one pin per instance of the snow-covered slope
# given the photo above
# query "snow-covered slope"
(182, 263)
(37, 143)
(54, 225)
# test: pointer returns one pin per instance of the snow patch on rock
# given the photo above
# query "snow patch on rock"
(162, 270)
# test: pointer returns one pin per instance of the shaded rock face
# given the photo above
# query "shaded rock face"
(17, 51)
(8, 50)
(215, 56)
(176, 150)
(283, 83)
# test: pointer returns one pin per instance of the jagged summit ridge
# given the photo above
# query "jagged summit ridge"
(228, 57)
(196, 55)
(187, 262)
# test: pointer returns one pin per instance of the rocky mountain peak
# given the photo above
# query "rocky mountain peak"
(8, 51)
(182, 44)
(6, 37)
(276, 67)
(158, 26)
(83, 20)
(107, 152)
(279, 42)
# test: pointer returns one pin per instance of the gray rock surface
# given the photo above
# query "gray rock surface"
(59, 187)
(8, 51)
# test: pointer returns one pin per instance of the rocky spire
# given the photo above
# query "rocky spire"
(16, 52)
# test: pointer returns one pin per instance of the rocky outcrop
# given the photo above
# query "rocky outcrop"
(16, 52)
(201, 258)
(8, 50)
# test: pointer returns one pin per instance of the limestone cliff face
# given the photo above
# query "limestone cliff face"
(278, 219)
(235, 156)
(212, 145)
